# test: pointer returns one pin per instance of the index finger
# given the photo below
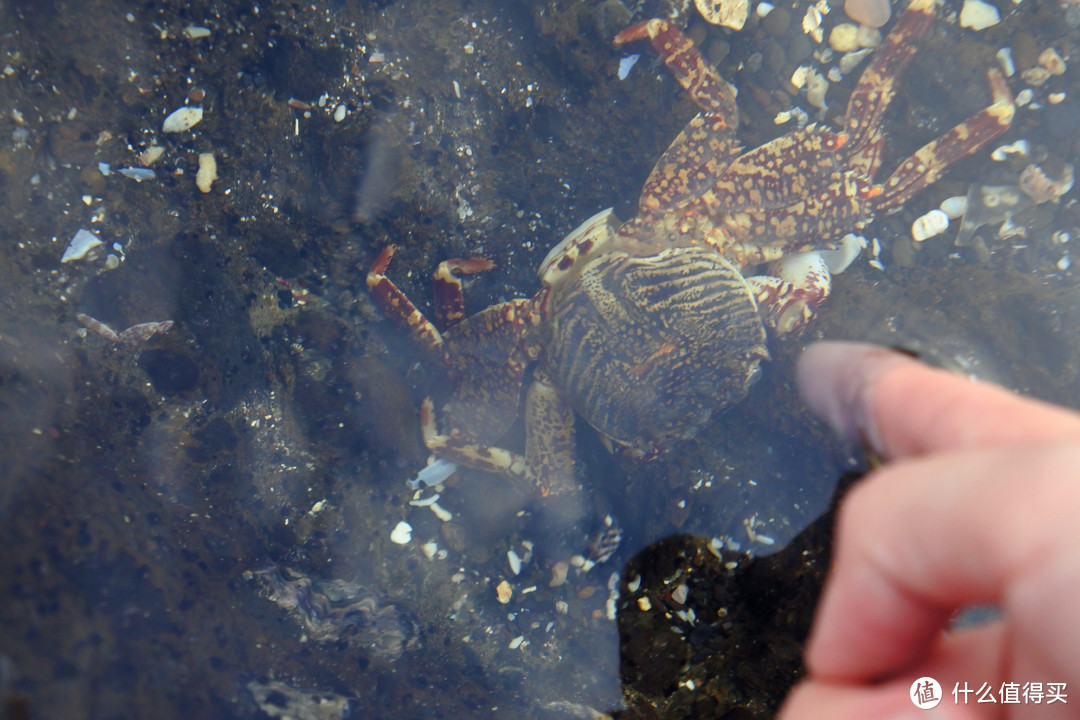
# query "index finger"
(903, 408)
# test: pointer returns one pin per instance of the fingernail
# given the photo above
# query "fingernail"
(834, 379)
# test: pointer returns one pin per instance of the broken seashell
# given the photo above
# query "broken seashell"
(929, 225)
(83, 242)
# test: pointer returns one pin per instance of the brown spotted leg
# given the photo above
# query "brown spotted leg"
(877, 86)
(549, 438)
(449, 299)
(471, 454)
(548, 464)
(927, 164)
(708, 142)
(398, 308)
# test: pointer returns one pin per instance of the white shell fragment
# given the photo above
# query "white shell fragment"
(150, 155)
(1036, 76)
(207, 173)
(515, 561)
(441, 512)
(402, 533)
(811, 24)
(929, 225)
(137, 174)
(83, 242)
(195, 32)
(1020, 147)
(182, 119)
(816, 87)
(978, 15)
(869, 37)
(625, 64)
(726, 13)
(1005, 59)
(134, 335)
(800, 76)
(850, 61)
(1042, 188)
(850, 247)
(433, 474)
(954, 206)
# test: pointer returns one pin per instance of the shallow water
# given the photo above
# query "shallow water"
(200, 525)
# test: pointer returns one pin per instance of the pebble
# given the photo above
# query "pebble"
(1025, 50)
(1053, 63)
(558, 573)
(207, 173)
(869, 37)
(182, 119)
(844, 37)
(777, 22)
(954, 206)
(727, 13)
(872, 13)
(504, 591)
(978, 15)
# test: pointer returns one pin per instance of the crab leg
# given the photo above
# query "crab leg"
(927, 164)
(877, 86)
(397, 306)
(549, 438)
(789, 300)
(458, 449)
(449, 300)
(714, 95)
(708, 141)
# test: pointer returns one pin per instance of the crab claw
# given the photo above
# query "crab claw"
(790, 299)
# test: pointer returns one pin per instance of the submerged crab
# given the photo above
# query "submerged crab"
(648, 327)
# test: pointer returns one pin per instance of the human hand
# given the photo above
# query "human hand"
(978, 502)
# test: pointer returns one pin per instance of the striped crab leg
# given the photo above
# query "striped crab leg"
(701, 152)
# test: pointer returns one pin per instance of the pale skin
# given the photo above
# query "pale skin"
(977, 503)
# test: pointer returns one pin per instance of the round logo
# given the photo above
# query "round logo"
(925, 693)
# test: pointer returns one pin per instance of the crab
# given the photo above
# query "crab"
(648, 328)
